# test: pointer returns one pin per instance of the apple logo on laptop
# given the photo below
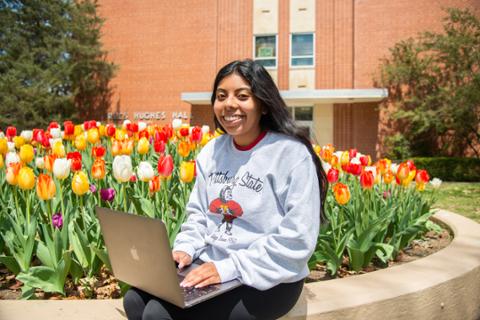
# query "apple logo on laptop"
(134, 253)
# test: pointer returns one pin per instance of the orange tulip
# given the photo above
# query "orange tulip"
(127, 147)
(367, 180)
(341, 193)
(187, 171)
(116, 147)
(26, 178)
(183, 149)
(154, 184)
(80, 142)
(49, 160)
(422, 176)
(98, 169)
(12, 173)
(403, 172)
(98, 152)
(388, 176)
(45, 187)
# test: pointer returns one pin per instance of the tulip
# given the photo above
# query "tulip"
(127, 146)
(341, 193)
(154, 184)
(26, 178)
(26, 153)
(142, 126)
(3, 146)
(18, 142)
(367, 180)
(206, 138)
(57, 220)
(93, 136)
(93, 188)
(196, 135)
(422, 176)
(365, 160)
(332, 175)
(11, 132)
(80, 184)
(165, 165)
(2, 164)
(98, 152)
(11, 157)
(55, 133)
(75, 160)
(40, 162)
(436, 183)
(122, 168)
(107, 194)
(145, 171)
(61, 168)
(176, 123)
(45, 187)
(388, 176)
(68, 128)
(98, 169)
(143, 146)
(13, 170)
(101, 130)
(183, 131)
(58, 148)
(183, 149)
(27, 135)
(116, 148)
(110, 130)
(132, 127)
(354, 167)
(352, 153)
(187, 171)
(80, 142)
(403, 171)
(159, 146)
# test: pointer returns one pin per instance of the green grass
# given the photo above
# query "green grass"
(460, 197)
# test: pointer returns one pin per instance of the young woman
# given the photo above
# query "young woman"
(255, 210)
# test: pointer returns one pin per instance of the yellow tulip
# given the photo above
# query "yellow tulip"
(26, 178)
(116, 147)
(101, 130)
(2, 164)
(127, 147)
(93, 136)
(80, 184)
(143, 146)
(58, 149)
(45, 187)
(187, 171)
(183, 149)
(120, 134)
(341, 193)
(3, 146)
(19, 141)
(78, 130)
(80, 142)
(26, 153)
(12, 173)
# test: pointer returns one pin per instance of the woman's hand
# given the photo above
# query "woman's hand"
(202, 276)
(182, 258)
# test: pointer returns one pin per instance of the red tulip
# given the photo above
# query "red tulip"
(422, 176)
(196, 135)
(98, 152)
(352, 153)
(159, 146)
(111, 130)
(354, 167)
(132, 127)
(165, 165)
(332, 175)
(367, 180)
(76, 160)
(160, 136)
(37, 135)
(168, 130)
(143, 134)
(52, 125)
(11, 132)
(184, 132)
(68, 128)
(364, 160)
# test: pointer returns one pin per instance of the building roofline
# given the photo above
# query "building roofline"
(302, 97)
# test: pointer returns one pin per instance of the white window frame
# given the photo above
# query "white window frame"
(309, 56)
(266, 58)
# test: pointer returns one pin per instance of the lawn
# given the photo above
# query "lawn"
(460, 197)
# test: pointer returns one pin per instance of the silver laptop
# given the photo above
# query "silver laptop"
(140, 255)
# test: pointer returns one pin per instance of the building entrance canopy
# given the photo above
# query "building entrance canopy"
(306, 97)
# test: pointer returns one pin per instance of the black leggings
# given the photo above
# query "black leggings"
(242, 303)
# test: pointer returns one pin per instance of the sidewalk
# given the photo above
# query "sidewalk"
(62, 310)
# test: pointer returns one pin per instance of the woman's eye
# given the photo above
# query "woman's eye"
(243, 97)
(220, 96)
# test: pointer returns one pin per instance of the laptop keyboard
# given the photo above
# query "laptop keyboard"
(191, 293)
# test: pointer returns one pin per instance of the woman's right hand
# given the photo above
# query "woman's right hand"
(182, 258)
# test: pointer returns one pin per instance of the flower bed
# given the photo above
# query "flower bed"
(52, 179)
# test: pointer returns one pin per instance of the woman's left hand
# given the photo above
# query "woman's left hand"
(202, 276)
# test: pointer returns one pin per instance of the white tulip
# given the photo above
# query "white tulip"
(394, 168)
(11, 157)
(373, 170)
(142, 125)
(436, 183)
(122, 168)
(40, 162)
(205, 129)
(326, 166)
(145, 171)
(2, 135)
(61, 168)
(11, 146)
(98, 123)
(176, 123)
(27, 135)
(54, 140)
(55, 133)
(338, 154)
(125, 122)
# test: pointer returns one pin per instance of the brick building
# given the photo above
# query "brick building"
(322, 54)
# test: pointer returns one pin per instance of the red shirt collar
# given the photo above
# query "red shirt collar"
(251, 145)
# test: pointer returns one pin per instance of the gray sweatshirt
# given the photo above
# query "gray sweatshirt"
(254, 213)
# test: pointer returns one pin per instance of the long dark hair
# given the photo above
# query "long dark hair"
(276, 117)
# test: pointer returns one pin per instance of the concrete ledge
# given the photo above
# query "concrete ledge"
(445, 285)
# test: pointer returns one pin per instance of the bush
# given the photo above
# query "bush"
(451, 169)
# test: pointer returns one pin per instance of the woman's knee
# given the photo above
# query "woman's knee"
(134, 304)
(155, 310)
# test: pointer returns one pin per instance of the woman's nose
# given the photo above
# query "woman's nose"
(230, 101)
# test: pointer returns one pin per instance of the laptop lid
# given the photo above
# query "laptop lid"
(140, 253)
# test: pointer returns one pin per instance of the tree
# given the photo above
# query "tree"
(52, 66)
(434, 90)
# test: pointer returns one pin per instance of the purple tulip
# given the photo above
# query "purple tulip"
(386, 194)
(107, 194)
(93, 188)
(57, 220)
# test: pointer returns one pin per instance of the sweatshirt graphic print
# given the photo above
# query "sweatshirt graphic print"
(253, 213)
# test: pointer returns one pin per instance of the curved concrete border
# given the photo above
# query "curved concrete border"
(445, 285)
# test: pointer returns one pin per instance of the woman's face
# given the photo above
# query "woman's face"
(237, 110)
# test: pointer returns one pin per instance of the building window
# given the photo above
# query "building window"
(303, 117)
(266, 50)
(302, 50)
